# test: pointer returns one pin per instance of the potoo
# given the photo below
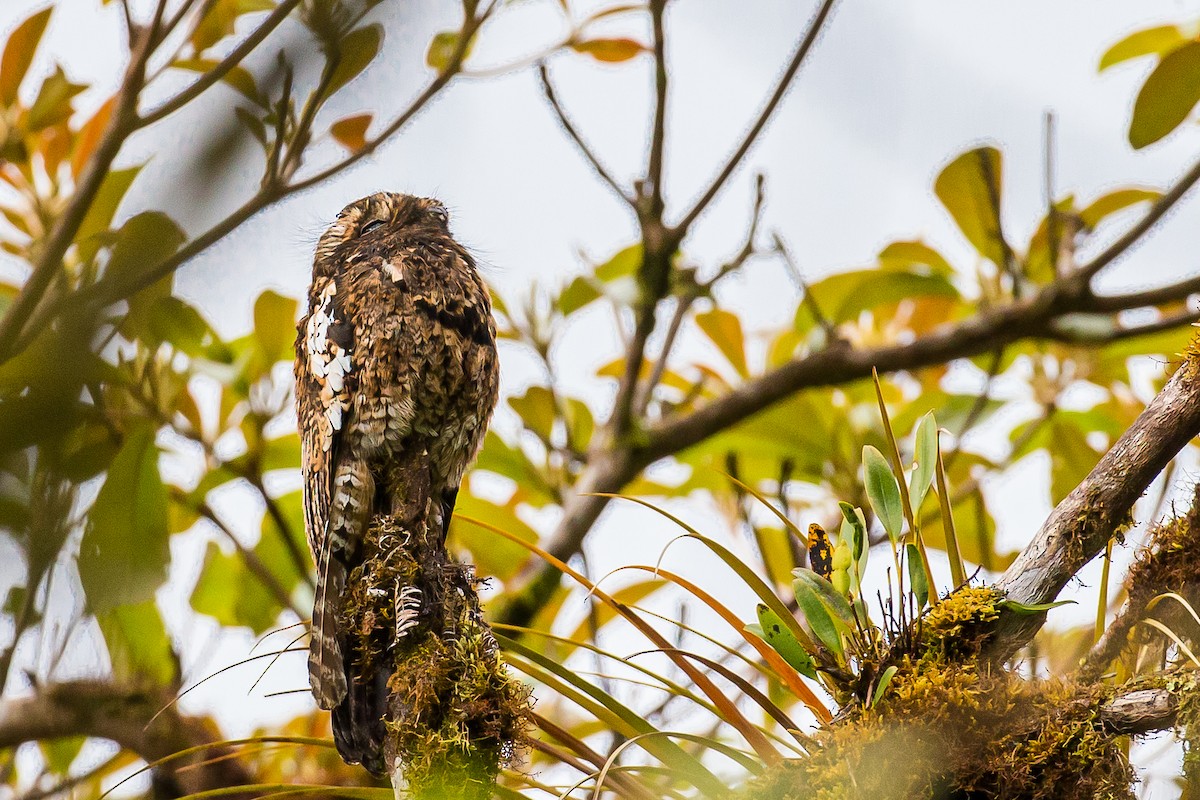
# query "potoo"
(395, 365)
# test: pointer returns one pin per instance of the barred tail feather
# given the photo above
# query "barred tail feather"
(326, 668)
(358, 721)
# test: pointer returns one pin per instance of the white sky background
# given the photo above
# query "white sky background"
(890, 94)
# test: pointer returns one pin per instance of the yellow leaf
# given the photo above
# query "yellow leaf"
(970, 189)
(725, 331)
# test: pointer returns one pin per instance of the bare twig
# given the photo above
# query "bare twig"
(51, 251)
(1142, 226)
(565, 121)
(1174, 293)
(248, 556)
(658, 135)
(222, 67)
(718, 182)
(808, 298)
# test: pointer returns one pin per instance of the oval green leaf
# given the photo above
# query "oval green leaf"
(970, 189)
(926, 446)
(771, 628)
(1167, 97)
(916, 575)
(358, 48)
(881, 687)
(883, 491)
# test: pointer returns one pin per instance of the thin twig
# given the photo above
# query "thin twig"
(646, 392)
(248, 556)
(714, 188)
(977, 407)
(1141, 227)
(1053, 229)
(658, 135)
(1116, 333)
(222, 67)
(49, 263)
(284, 528)
(1174, 293)
(809, 299)
(565, 121)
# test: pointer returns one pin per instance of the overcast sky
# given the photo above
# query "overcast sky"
(890, 94)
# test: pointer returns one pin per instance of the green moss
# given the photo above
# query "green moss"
(951, 725)
(961, 732)
(456, 715)
(960, 624)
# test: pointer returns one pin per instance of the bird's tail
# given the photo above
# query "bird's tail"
(358, 721)
(326, 667)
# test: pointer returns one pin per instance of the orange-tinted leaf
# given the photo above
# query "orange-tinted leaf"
(89, 136)
(54, 143)
(351, 132)
(1151, 41)
(1167, 97)
(18, 54)
(610, 50)
(725, 331)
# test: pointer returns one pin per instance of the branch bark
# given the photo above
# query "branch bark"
(1140, 711)
(124, 715)
(1080, 525)
(1034, 317)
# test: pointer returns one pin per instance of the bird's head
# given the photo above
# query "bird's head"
(384, 214)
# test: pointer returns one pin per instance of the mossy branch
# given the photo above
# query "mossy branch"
(1079, 527)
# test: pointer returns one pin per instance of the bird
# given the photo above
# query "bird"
(396, 364)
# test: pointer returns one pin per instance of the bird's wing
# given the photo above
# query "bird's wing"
(323, 376)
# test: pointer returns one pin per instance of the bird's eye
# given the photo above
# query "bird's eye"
(370, 226)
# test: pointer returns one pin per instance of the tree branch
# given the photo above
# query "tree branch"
(50, 259)
(572, 132)
(1080, 525)
(1140, 711)
(1139, 229)
(1030, 318)
(810, 37)
(124, 715)
(223, 67)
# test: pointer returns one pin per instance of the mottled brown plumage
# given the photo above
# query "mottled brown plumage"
(395, 367)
